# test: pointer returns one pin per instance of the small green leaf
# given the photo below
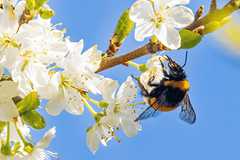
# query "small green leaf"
(124, 26)
(89, 128)
(39, 3)
(225, 20)
(46, 14)
(30, 102)
(34, 119)
(2, 125)
(30, 4)
(189, 39)
(210, 27)
(143, 68)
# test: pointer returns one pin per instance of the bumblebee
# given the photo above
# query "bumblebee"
(169, 93)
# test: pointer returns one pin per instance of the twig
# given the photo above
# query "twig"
(149, 48)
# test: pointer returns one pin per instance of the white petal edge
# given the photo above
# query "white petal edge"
(140, 11)
(92, 141)
(182, 16)
(46, 140)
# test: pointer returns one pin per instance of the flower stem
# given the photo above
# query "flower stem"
(93, 101)
(89, 108)
(133, 64)
(20, 134)
(8, 133)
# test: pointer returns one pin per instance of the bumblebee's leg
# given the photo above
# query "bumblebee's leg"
(143, 90)
(164, 69)
(150, 82)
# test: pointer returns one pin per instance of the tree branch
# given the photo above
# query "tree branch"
(149, 48)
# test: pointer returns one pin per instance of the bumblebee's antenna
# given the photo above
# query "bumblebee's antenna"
(185, 59)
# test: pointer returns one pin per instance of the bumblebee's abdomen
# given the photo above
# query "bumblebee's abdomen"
(182, 85)
(157, 106)
(170, 96)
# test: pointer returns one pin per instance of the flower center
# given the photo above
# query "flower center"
(29, 54)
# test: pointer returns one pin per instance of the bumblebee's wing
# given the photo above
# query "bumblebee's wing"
(187, 113)
(149, 112)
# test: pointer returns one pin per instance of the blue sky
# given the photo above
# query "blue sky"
(213, 73)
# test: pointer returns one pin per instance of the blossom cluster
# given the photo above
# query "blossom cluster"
(42, 60)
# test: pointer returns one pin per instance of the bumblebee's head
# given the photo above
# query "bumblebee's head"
(176, 71)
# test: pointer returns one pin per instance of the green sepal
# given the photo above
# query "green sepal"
(124, 26)
(143, 68)
(102, 104)
(30, 4)
(3, 141)
(98, 117)
(6, 149)
(28, 103)
(39, 3)
(17, 146)
(2, 125)
(89, 129)
(46, 14)
(189, 39)
(24, 65)
(28, 149)
(33, 119)
(210, 27)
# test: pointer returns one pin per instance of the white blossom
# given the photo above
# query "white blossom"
(40, 47)
(101, 131)
(38, 151)
(78, 77)
(161, 21)
(120, 108)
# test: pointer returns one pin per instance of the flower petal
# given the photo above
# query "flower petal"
(177, 2)
(140, 11)
(1, 70)
(92, 141)
(73, 101)
(129, 128)
(8, 89)
(160, 4)
(19, 8)
(168, 36)
(8, 110)
(181, 16)
(46, 140)
(127, 92)
(56, 104)
(168, 3)
(144, 29)
(108, 88)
